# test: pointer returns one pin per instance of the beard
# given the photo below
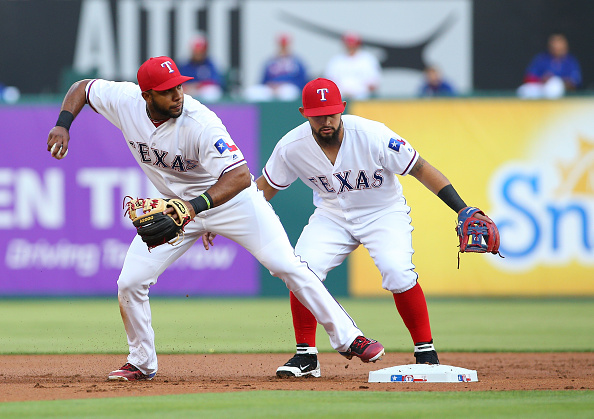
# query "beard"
(328, 139)
(167, 112)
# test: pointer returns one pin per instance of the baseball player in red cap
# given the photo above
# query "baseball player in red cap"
(187, 153)
(349, 162)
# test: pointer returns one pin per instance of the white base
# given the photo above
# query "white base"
(424, 373)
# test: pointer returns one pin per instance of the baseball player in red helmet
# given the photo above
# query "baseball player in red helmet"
(187, 153)
(349, 162)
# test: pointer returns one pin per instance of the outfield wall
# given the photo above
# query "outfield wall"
(529, 165)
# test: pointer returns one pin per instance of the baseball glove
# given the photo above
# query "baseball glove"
(154, 227)
(476, 235)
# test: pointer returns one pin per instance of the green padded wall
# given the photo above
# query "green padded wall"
(293, 205)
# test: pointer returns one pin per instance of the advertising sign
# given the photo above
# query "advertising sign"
(62, 224)
(528, 165)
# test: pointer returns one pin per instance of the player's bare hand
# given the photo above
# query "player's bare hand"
(57, 142)
(207, 239)
(484, 218)
(481, 217)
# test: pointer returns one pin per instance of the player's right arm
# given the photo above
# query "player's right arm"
(59, 136)
(266, 188)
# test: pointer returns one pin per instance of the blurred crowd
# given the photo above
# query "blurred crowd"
(357, 71)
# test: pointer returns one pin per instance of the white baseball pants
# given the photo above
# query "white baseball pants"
(328, 239)
(249, 220)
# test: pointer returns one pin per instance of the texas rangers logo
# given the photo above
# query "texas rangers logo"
(168, 65)
(221, 146)
(395, 144)
(322, 92)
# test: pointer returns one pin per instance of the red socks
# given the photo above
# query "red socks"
(304, 323)
(412, 307)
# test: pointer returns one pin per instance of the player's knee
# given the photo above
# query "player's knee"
(125, 284)
(294, 273)
(279, 268)
(399, 282)
(133, 284)
(279, 261)
(313, 264)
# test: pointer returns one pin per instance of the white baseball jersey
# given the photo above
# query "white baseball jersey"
(184, 156)
(361, 183)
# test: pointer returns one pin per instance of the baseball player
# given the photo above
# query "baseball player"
(349, 162)
(187, 153)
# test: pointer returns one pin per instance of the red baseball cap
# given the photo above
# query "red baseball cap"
(351, 39)
(284, 39)
(159, 73)
(321, 97)
(199, 43)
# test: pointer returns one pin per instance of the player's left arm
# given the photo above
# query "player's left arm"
(437, 183)
(228, 186)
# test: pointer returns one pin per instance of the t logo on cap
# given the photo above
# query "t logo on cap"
(321, 97)
(168, 64)
(323, 92)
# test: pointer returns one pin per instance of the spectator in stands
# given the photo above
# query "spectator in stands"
(552, 73)
(356, 72)
(434, 84)
(208, 83)
(284, 76)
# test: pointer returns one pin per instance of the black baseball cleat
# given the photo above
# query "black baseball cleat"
(425, 353)
(303, 364)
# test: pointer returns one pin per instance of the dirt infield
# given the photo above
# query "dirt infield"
(53, 377)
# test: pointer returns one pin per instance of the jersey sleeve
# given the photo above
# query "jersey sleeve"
(397, 155)
(276, 171)
(218, 152)
(104, 97)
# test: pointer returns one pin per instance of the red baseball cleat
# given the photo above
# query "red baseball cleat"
(368, 350)
(129, 373)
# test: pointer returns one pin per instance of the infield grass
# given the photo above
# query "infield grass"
(196, 325)
(308, 404)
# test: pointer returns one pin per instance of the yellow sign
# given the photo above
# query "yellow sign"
(528, 164)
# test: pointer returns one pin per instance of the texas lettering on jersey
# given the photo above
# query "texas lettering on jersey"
(347, 184)
(158, 158)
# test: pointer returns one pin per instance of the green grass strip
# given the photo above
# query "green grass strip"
(308, 404)
(210, 325)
